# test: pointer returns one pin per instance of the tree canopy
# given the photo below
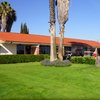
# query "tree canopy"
(7, 16)
(24, 29)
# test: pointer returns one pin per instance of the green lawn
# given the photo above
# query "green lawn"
(31, 81)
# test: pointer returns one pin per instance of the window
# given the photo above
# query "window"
(20, 49)
(67, 48)
(45, 49)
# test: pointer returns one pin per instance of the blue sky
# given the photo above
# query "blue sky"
(83, 23)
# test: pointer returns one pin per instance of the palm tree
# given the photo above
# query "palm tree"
(63, 7)
(53, 55)
(3, 16)
(8, 16)
(0, 17)
(0, 21)
(11, 18)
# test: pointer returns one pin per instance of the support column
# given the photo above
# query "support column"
(35, 50)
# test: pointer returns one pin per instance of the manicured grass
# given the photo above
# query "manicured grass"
(31, 81)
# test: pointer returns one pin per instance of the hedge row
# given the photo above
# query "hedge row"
(6, 59)
(83, 60)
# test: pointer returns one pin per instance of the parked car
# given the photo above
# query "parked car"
(88, 53)
(67, 55)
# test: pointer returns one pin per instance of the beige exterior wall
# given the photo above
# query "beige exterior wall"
(7, 49)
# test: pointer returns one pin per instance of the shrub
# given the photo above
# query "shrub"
(6, 59)
(56, 63)
(83, 60)
(46, 56)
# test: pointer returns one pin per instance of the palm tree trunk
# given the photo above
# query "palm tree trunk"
(61, 40)
(9, 26)
(97, 51)
(0, 27)
(53, 55)
(3, 23)
(63, 7)
(0, 23)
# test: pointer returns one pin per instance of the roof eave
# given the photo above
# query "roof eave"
(1, 41)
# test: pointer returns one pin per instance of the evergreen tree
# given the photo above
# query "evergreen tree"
(21, 28)
(24, 29)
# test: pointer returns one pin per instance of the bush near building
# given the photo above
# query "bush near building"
(6, 59)
(83, 60)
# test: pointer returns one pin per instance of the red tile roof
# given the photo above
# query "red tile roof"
(40, 39)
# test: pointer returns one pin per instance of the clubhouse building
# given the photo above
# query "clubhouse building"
(16, 43)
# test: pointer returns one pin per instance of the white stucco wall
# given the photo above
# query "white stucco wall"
(7, 48)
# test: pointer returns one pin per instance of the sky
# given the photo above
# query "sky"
(83, 23)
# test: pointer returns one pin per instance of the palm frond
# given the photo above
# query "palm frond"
(8, 15)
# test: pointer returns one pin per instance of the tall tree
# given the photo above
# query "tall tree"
(0, 17)
(24, 29)
(53, 55)
(63, 7)
(11, 19)
(8, 16)
(0, 21)
(21, 28)
(4, 12)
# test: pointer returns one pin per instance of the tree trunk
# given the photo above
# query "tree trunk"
(63, 7)
(61, 40)
(3, 21)
(0, 23)
(9, 26)
(97, 50)
(53, 55)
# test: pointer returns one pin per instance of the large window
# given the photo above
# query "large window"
(28, 49)
(20, 49)
(23, 49)
(45, 49)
